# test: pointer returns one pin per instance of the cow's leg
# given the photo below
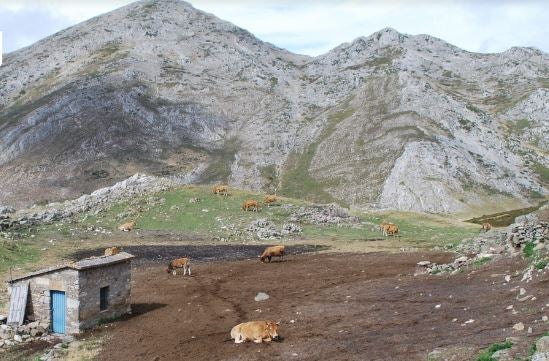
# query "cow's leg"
(189, 267)
(174, 272)
(270, 259)
(258, 340)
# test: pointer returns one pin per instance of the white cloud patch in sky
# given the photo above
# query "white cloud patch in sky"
(314, 27)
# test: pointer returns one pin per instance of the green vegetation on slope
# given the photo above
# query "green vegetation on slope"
(487, 354)
(16, 253)
(542, 171)
(297, 182)
(503, 219)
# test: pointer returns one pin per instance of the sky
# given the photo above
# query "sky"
(313, 27)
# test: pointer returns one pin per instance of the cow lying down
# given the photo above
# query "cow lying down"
(256, 331)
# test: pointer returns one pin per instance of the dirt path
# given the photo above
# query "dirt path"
(331, 307)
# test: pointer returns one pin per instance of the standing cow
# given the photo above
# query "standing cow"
(486, 227)
(272, 251)
(183, 262)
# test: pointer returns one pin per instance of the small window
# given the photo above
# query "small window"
(103, 298)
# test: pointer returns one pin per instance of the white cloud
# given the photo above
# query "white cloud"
(313, 27)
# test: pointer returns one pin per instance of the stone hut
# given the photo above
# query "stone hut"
(76, 296)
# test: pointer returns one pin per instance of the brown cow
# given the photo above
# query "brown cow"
(270, 199)
(223, 190)
(256, 331)
(389, 229)
(250, 204)
(111, 251)
(127, 227)
(183, 262)
(486, 227)
(272, 251)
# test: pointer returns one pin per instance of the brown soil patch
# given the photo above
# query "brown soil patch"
(343, 307)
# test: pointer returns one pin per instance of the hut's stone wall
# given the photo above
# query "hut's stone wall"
(118, 278)
(39, 299)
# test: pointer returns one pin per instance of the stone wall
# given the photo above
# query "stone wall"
(118, 278)
(38, 302)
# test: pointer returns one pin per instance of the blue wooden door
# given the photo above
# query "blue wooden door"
(58, 311)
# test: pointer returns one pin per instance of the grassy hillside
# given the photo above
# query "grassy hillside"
(169, 218)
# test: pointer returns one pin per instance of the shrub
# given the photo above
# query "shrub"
(528, 249)
(541, 264)
(486, 355)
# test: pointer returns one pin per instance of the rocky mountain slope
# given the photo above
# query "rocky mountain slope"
(387, 121)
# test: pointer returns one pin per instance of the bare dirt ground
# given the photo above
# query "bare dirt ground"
(331, 307)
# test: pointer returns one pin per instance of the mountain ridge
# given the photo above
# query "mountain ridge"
(167, 89)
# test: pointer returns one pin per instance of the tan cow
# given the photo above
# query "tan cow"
(111, 251)
(270, 199)
(272, 251)
(486, 227)
(250, 204)
(389, 229)
(127, 227)
(256, 331)
(184, 262)
(223, 190)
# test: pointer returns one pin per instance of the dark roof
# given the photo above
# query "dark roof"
(84, 264)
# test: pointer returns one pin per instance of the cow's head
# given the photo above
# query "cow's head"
(272, 329)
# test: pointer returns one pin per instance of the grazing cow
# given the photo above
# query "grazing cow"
(383, 225)
(111, 251)
(270, 199)
(250, 204)
(256, 331)
(389, 229)
(184, 263)
(223, 190)
(272, 251)
(486, 227)
(127, 227)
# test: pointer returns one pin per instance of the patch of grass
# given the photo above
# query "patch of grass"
(296, 181)
(415, 230)
(269, 173)
(481, 261)
(503, 219)
(487, 354)
(465, 123)
(541, 264)
(519, 126)
(274, 82)
(528, 249)
(219, 169)
(542, 171)
(174, 212)
(16, 254)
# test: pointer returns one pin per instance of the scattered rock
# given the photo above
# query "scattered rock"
(322, 214)
(261, 296)
(540, 356)
(519, 326)
(502, 355)
(542, 345)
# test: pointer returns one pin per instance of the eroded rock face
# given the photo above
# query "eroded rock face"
(386, 121)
